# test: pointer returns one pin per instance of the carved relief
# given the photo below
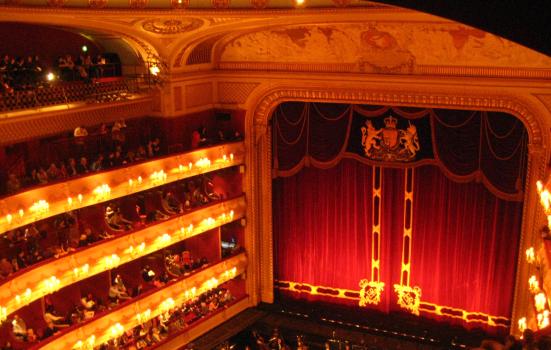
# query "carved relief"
(234, 92)
(259, 4)
(171, 26)
(139, 4)
(97, 3)
(179, 4)
(56, 3)
(342, 3)
(220, 4)
(382, 47)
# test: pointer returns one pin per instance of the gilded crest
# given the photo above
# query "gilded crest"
(370, 292)
(390, 144)
(409, 298)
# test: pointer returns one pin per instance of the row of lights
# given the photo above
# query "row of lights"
(103, 192)
(165, 306)
(53, 284)
(540, 298)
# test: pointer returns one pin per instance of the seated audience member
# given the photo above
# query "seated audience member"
(115, 220)
(42, 176)
(97, 165)
(6, 268)
(171, 204)
(117, 290)
(19, 328)
(80, 131)
(13, 185)
(51, 316)
(53, 172)
(82, 166)
(31, 336)
(49, 330)
(72, 167)
(199, 137)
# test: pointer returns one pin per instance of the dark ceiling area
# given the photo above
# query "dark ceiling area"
(527, 22)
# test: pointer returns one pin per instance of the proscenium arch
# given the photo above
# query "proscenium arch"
(259, 181)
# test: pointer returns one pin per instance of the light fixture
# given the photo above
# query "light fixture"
(84, 48)
(50, 76)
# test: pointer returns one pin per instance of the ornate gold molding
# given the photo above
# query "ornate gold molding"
(500, 103)
(234, 92)
(169, 26)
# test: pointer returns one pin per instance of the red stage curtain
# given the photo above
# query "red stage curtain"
(322, 225)
(465, 243)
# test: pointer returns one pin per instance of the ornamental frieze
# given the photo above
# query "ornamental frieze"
(171, 26)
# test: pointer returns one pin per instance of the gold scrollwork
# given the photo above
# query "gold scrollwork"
(370, 292)
(409, 298)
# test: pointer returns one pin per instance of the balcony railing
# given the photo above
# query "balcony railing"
(114, 89)
(25, 288)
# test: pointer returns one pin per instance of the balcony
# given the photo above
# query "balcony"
(50, 200)
(55, 274)
(148, 306)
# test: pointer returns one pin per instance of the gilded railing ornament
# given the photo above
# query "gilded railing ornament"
(409, 298)
(370, 292)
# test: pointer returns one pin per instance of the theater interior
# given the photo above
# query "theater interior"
(274, 174)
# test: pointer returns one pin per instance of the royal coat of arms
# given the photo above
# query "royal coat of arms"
(390, 144)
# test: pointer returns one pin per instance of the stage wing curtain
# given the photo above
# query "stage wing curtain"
(322, 224)
(465, 243)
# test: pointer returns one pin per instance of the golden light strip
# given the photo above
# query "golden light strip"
(113, 324)
(408, 220)
(467, 316)
(376, 225)
(27, 207)
(103, 257)
(318, 290)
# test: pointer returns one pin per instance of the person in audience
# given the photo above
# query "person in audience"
(147, 274)
(80, 131)
(13, 185)
(82, 167)
(31, 336)
(62, 170)
(19, 328)
(115, 220)
(50, 315)
(6, 268)
(117, 290)
(72, 167)
(171, 204)
(97, 165)
(199, 137)
(53, 172)
(49, 330)
(42, 176)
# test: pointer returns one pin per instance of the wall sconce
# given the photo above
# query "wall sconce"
(167, 305)
(24, 298)
(158, 177)
(116, 330)
(144, 316)
(112, 261)
(164, 239)
(3, 314)
(540, 300)
(102, 192)
(9, 219)
(40, 207)
(543, 319)
(21, 213)
(533, 284)
(530, 255)
(80, 198)
(203, 163)
(51, 284)
(82, 271)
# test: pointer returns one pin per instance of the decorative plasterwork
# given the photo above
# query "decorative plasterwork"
(172, 25)
(233, 92)
(494, 103)
(380, 47)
